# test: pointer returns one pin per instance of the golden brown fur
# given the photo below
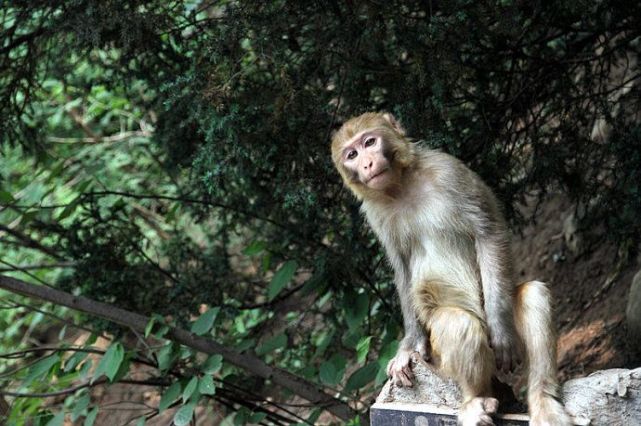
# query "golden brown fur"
(448, 244)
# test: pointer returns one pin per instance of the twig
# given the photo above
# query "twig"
(118, 137)
(38, 267)
(30, 242)
(73, 389)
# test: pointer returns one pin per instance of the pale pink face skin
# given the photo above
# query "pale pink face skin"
(364, 158)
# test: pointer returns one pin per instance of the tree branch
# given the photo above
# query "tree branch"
(27, 241)
(73, 389)
(248, 362)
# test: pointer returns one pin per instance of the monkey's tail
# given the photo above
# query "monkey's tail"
(534, 324)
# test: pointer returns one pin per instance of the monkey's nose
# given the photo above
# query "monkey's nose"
(369, 166)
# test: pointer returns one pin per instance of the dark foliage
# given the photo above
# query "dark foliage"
(534, 96)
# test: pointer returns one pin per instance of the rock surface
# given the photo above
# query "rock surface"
(608, 397)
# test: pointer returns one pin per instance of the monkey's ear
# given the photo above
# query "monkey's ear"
(396, 125)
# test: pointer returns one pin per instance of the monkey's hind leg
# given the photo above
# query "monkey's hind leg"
(533, 319)
(460, 345)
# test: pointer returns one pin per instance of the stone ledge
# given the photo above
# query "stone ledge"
(608, 397)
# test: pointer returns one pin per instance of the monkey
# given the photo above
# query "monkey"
(447, 241)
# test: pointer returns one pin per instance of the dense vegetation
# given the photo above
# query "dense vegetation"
(172, 158)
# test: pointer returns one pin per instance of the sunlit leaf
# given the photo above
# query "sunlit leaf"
(191, 386)
(184, 415)
(204, 323)
(362, 348)
(206, 385)
(110, 362)
(256, 247)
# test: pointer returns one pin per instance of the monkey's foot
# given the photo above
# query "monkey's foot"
(399, 369)
(547, 411)
(478, 412)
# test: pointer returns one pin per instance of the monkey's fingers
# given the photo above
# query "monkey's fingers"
(400, 371)
(490, 405)
(403, 378)
(503, 358)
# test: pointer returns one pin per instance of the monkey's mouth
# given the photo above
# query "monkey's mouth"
(377, 175)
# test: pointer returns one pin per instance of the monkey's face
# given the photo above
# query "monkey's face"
(371, 152)
(366, 160)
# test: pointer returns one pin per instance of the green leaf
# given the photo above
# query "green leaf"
(386, 353)
(352, 337)
(212, 364)
(170, 395)
(362, 348)
(244, 345)
(110, 362)
(362, 376)
(70, 208)
(91, 417)
(80, 407)
(6, 197)
(256, 418)
(190, 388)
(356, 310)
(266, 262)
(331, 372)
(152, 321)
(272, 344)
(204, 323)
(327, 373)
(206, 385)
(61, 334)
(256, 247)
(314, 416)
(141, 421)
(281, 278)
(57, 420)
(86, 368)
(166, 356)
(123, 369)
(184, 415)
(40, 369)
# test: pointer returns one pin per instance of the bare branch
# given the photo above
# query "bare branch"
(27, 241)
(248, 362)
(38, 267)
(73, 389)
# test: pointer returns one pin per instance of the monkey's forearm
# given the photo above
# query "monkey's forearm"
(414, 338)
(495, 265)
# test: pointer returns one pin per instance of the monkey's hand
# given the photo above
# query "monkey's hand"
(504, 343)
(399, 369)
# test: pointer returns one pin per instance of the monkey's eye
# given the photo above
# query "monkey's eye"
(369, 142)
(352, 154)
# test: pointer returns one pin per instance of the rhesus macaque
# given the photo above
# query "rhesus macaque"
(448, 244)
